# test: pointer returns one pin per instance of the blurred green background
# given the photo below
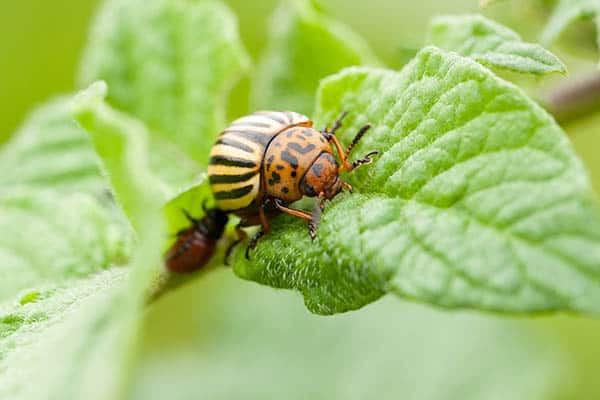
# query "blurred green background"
(219, 336)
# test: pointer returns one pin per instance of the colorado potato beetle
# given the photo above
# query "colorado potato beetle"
(195, 245)
(265, 161)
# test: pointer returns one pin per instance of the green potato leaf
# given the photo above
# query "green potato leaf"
(169, 63)
(68, 335)
(492, 44)
(122, 143)
(304, 46)
(191, 200)
(50, 151)
(567, 12)
(58, 218)
(62, 339)
(72, 324)
(477, 200)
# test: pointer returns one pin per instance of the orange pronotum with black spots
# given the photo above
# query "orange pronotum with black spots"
(267, 160)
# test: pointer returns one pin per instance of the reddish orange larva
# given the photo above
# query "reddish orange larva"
(195, 245)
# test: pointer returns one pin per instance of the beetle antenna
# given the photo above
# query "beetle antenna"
(361, 132)
(338, 123)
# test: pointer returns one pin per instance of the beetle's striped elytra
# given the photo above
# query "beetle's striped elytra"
(265, 161)
(236, 158)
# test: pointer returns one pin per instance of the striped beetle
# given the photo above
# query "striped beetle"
(264, 161)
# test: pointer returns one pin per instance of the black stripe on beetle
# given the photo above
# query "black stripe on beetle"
(234, 143)
(257, 137)
(232, 161)
(289, 158)
(234, 194)
(270, 161)
(302, 150)
(231, 178)
(318, 168)
(276, 177)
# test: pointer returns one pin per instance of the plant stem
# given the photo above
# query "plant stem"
(574, 100)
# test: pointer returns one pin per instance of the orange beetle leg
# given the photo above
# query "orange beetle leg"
(347, 186)
(291, 211)
(346, 166)
(266, 228)
(312, 219)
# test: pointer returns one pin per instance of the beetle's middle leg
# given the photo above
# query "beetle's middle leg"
(265, 228)
(346, 165)
(241, 236)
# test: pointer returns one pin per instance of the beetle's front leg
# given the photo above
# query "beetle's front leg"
(254, 242)
(308, 217)
(313, 224)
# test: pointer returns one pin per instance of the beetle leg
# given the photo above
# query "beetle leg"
(264, 222)
(266, 228)
(291, 211)
(312, 219)
(348, 187)
(346, 166)
(241, 236)
(254, 242)
(316, 216)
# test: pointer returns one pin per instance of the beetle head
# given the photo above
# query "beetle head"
(322, 177)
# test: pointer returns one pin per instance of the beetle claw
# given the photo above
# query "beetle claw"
(348, 187)
(253, 243)
(312, 230)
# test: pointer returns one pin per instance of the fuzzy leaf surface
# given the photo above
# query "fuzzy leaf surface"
(492, 44)
(57, 215)
(477, 200)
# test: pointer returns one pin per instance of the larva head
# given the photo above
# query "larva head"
(322, 177)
